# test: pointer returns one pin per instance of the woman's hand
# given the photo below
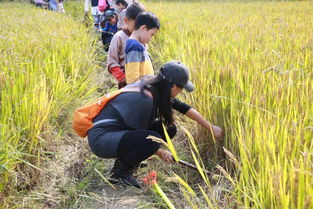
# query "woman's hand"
(165, 155)
(218, 133)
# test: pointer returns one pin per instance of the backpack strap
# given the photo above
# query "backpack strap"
(135, 89)
(130, 89)
(125, 89)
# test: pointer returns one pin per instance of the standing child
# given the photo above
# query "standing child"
(94, 12)
(137, 59)
(61, 7)
(116, 61)
(109, 29)
(121, 6)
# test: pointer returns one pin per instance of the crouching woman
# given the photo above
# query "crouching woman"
(121, 128)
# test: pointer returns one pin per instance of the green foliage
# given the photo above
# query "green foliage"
(45, 61)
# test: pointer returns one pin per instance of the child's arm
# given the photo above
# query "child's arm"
(118, 74)
(106, 27)
(114, 63)
(132, 67)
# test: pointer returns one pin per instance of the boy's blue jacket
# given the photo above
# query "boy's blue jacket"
(110, 28)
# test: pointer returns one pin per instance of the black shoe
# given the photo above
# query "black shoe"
(123, 174)
(128, 180)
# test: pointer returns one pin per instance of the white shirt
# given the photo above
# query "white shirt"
(94, 10)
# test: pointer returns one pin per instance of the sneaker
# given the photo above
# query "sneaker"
(128, 180)
(123, 174)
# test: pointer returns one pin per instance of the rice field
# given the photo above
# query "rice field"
(45, 62)
(251, 63)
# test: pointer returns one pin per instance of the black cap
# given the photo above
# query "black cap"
(109, 14)
(177, 73)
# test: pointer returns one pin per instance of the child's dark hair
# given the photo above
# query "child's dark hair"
(123, 2)
(133, 10)
(147, 18)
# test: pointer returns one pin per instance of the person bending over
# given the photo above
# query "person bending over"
(121, 128)
(108, 28)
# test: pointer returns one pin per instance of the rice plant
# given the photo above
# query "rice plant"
(252, 64)
(45, 62)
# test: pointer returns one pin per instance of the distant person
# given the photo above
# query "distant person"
(60, 6)
(137, 60)
(53, 5)
(121, 128)
(121, 6)
(116, 56)
(103, 5)
(109, 29)
(131, 1)
(40, 3)
(94, 11)
(112, 4)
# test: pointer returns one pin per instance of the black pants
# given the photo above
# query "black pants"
(134, 146)
(106, 40)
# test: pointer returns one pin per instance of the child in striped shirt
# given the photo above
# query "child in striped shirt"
(116, 56)
(137, 60)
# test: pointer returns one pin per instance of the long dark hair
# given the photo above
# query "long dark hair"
(161, 92)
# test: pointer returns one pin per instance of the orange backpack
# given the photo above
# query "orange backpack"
(83, 116)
